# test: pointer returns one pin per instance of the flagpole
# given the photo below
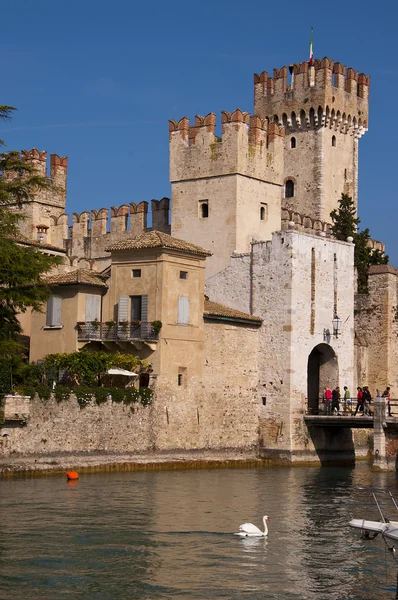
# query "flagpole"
(311, 60)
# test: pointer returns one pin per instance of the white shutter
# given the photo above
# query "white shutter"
(183, 310)
(49, 313)
(122, 313)
(92, 308)
(57, 311)
(53, 316)
(144, 308)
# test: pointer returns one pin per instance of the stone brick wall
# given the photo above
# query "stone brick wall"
(275, 282)
(218, 410)
(376, 327)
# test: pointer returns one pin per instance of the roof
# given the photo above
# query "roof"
(216, 310)
(80, 276)
(22, 240)
(158, 239)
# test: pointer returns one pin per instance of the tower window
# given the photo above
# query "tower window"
(334, 141)
(289, 188)
(263, 212)
(136, 273)
(293, 142)
(203, 209)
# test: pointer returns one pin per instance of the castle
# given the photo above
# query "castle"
(250, 229)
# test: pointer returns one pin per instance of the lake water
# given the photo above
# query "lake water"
(154, 535)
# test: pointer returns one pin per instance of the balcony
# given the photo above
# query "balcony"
(117, 332)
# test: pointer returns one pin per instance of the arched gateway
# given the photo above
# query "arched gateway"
(322, 370)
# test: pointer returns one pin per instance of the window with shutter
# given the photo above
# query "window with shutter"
(183, 310)
(53, 315)
(136, 308)
(122, 313)
(92, 308)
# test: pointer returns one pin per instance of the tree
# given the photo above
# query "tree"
(87, 368)
(21, 267)
(345, 224)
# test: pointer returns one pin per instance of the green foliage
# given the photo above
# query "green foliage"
(344, 219)
(345, 223)
(61, 392)
(83, 394)
(101, 394)
(86, 368)
(21, 267)
(146, 396)
(2, 417)
(157, 326)
(117, 394)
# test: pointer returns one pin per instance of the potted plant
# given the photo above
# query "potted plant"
(156, 326)
(95, 324)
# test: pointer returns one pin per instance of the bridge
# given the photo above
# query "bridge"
(385, 433)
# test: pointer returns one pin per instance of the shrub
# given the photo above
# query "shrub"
(61, 393)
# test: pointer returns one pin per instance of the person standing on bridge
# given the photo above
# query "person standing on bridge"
(328, 401)
(347, 400)
(359, 401)
(387, 396)
(336, 400)
(366, 400)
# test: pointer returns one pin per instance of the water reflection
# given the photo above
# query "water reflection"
(170, 535)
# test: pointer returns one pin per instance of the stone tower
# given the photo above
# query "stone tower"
(45, 219)
(226, 191)
(324, 110)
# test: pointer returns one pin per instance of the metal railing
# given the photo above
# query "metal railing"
(347, 407)
(116, 332)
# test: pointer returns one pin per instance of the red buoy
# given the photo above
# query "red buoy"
(72, 475)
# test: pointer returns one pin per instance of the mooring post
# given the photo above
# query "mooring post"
(379, 434)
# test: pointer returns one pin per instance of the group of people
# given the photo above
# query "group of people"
(332, 399)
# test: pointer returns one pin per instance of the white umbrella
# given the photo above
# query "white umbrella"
(122, 372)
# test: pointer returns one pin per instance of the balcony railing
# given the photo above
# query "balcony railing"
(118, 332)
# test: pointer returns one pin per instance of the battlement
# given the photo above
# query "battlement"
(249, 145)
(38, 160)
(324, 87)
(292, 219)
(130, 218)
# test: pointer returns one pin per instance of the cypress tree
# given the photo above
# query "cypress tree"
(345, 224)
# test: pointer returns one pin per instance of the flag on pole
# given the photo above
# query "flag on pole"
(311, 61)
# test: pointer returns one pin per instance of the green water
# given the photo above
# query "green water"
(153, 535)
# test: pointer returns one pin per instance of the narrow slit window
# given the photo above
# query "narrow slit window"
(334, 141)
(293, 142)
(289, 188)
(204, 210)
(263, 212)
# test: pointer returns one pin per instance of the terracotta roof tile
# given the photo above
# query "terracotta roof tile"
(214, 309)
(80, 276)
(22, 240)
(158, 239)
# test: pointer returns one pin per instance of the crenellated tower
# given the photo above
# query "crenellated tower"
(225, 190)
(324, 110)
(45, 219)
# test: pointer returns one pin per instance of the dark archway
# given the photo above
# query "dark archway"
(322, 371)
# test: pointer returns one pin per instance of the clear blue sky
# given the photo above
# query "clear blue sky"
(98, 80)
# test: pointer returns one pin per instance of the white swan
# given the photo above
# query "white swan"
(250, 530)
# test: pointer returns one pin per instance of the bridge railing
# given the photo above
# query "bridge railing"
(347, 406)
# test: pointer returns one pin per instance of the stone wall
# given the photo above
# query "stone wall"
(376, 329)
(215, 411)
(296, 283)
(236, 176)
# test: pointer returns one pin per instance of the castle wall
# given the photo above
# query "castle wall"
(318, 103)
(235, 176)
(376, 328)
(320, 171)
(295, 283)
(216, 411)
